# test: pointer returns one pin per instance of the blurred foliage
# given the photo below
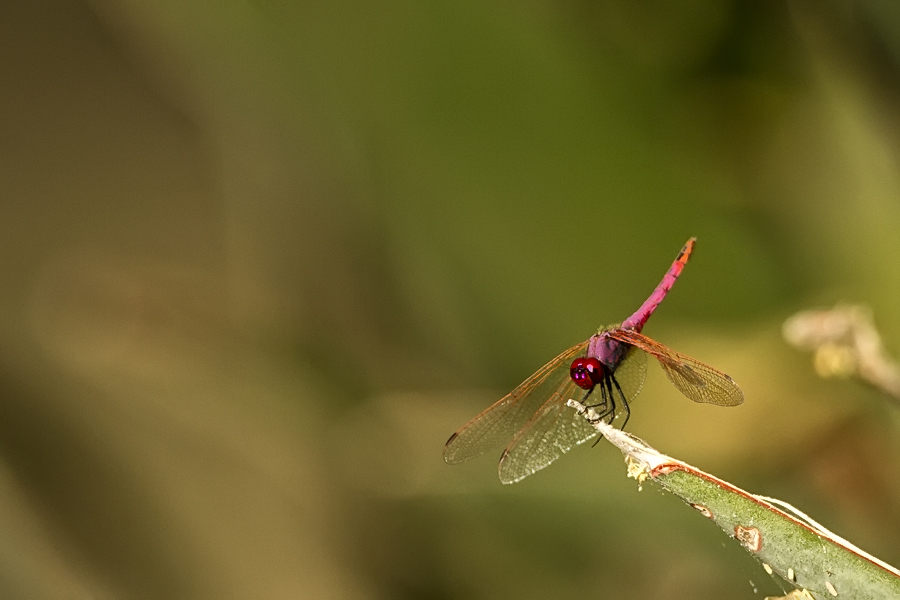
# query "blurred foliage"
(260, 259)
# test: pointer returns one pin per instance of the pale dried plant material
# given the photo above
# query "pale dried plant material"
(845, 343)
(794, 595)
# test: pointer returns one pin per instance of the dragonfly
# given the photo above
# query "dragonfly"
(606, 371)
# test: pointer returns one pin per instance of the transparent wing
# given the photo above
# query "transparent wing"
(555, 429)
(697, 381)
(552, 431)
(631, 373)
(500, 422)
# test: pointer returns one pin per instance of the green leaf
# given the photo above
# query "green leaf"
(783, 539)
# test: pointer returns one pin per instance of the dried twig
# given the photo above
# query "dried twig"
(845, 343)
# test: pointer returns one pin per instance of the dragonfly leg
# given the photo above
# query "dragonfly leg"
(609, 404)
(599, 417)
(611, 413)
(604, 400)
(624, 402)
(587, 395)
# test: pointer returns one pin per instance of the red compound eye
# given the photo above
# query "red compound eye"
(587, 372)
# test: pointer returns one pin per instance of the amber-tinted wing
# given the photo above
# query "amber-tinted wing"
(697, 381)
(555, 428)
(499, 423)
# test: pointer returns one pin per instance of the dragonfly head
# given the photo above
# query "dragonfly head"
(587, 372)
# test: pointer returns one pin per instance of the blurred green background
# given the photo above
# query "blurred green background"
(260, 259)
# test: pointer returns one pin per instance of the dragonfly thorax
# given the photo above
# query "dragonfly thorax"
(587, 372)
